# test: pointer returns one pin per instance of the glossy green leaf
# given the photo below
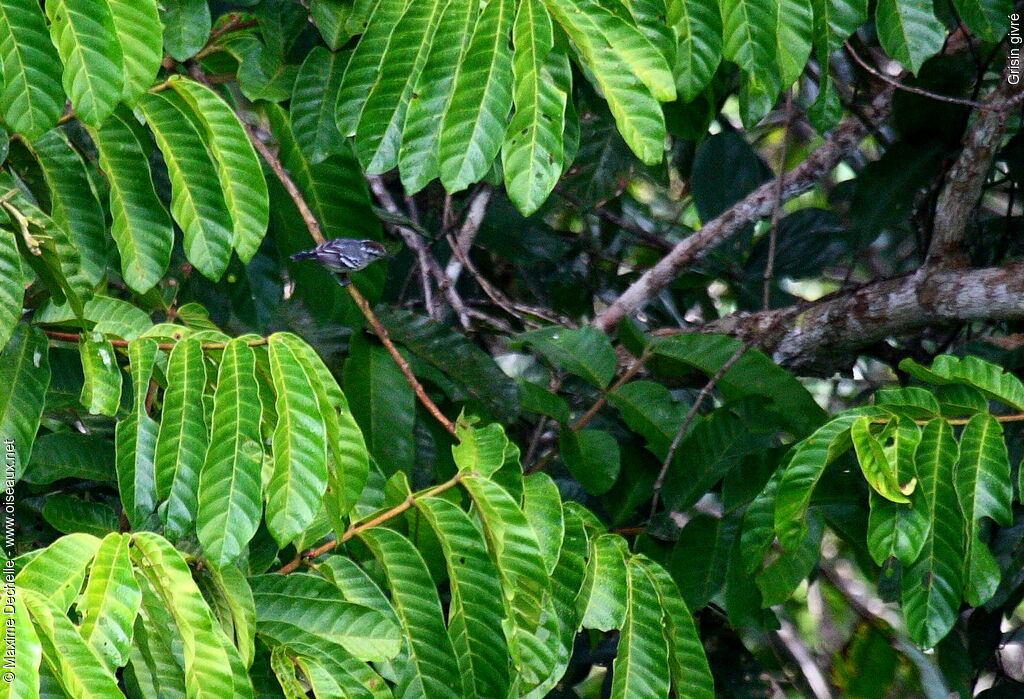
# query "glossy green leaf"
(110, 316)
(473, 124)
(24, 378)
(183, 437)
(602, 597)
(912, 401)
(432, 658)
(141, 226)
(140, 35)
(542, 505)
(135, 446)
(235, 609)
(515, 549)
(475, 614)
(229, 484)
(988, 378)
(72, 661)
(24, 683)
(418, 156)
(379, 130)
(243, 185)
(592, 457)
(687, 662)
(909, 31)
(641, 666)
(619, 55)
(288, 605)
(12, 287)
(566, 581)
(932, 585)
(213, 667)
(956, 400)
(187, 25)
(154, 665)
(110, 602)
(31, 97)
(86, 40)
(986, 18)
(984, 489)
(481, 450)
(749, 33)
(784, 572)
(364, 66)
(697, 25)
(70, 515)
(197, 201)
(878, 471)
(531, 155)
(382, 402)
(794, 30)
(57, 571)
(585, 352)
(894, 529)
(299, 477)
(312, 104)
(101, 391)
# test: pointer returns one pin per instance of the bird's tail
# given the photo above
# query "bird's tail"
(304, 255)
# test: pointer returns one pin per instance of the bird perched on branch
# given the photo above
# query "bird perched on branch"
(344, 255)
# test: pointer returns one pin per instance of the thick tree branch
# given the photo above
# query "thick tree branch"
(827, 335)
(758, 204)
(965, 180)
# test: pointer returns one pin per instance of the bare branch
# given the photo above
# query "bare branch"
(467, 234)
(758, 204)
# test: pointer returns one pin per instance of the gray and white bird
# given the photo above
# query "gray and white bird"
(344, 255)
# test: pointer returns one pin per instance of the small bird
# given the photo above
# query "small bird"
(344, 255)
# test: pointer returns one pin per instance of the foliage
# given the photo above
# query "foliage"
(233, 476)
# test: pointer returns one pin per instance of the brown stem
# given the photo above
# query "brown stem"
(603, 398)
(376, 521)
(75, 337)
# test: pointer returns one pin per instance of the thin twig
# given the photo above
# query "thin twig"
(376, 521)
(75, 337)
(603, 398)
(773, 233)
(463, 240)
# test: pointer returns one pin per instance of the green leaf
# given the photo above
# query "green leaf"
(289, 605)
(698, 28)
(783, 574)
(243, 185)
(57, 572)
(12, 286)
(474, 370)
(593, 458)
(618, 55)
(531, 156)
(586, 352)
(154, 665)
(793, 37)
(896, 530)
(312, 104)
(749, 33)
(418, 156)
(76, 666)
(566, 581)
(349, 464)
(834, 22)
(111, 316)
(542, 505)
(73, 200)
(754, 374)
(909, 31)
(476, 613)
(912, 401)
(990, 379)
(515, 549)
(69, 515)
(29, 654)
(332, 18)
(601, 601)
(213, 667)
(70, 455)
(141, 226)
(382, 402)
(641, 666)
(135, 445)
(187, 25)
(474, 123)
(101, 391)
(539, 400)
(429, 671)
(959, 401)
(932, 585)
(183, 437)
(299, 477)
(197, 201)
(229, 485)
(235, 608)
(31, 98)
(985, 18)
(110, 603)
(24, 378)
(808, 462)
(87, 42)
(984, 489)
(480, 450)
(879, 473)
(686, 660)
(379, 130)
(140, 34)
(364, 66)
